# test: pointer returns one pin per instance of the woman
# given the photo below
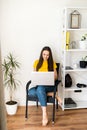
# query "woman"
(45, 63)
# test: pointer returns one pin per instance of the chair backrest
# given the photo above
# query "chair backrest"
(57, 81)
(58, 65)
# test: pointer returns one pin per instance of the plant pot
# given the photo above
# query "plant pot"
(83, 64)
(11, 107)
(82, 44)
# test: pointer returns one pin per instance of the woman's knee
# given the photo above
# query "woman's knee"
(32, 91)
(40, 89)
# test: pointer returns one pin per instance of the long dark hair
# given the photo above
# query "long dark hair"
(50, 59)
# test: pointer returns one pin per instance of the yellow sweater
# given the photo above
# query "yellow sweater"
(44, 66)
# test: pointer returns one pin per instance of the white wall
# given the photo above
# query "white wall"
(27, 26)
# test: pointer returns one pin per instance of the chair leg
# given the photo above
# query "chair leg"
(56, 104)
(37, 103)
(53, 116)
(26, 112)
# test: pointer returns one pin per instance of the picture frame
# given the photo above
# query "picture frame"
(75, 20)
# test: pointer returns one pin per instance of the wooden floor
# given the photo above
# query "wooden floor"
(65, 120)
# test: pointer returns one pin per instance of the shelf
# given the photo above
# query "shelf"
(80, 7)
(76, 50)
(70, 29)
(80, 29)
(80, 104)
(77, 70)
(71, 59)
(73, 88)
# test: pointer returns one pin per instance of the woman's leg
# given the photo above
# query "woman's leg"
(42, 96)
(44, 116)
(56, 96)
(59, 99)
(32, 91)
(39, 91)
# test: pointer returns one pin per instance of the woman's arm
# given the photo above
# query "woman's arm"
(55, 74)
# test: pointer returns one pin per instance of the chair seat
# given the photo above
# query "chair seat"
(33, 98)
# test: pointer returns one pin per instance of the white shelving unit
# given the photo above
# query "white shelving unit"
(70, 57)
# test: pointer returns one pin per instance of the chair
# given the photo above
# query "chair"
(50, 99)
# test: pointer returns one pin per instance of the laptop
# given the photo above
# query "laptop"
(42, 78)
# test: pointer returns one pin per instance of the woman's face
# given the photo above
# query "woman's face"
(45, 55)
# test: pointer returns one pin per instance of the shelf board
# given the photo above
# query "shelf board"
(76, 7)
(80, 104)
(75, 88)
(75, 50)
(76, 70)
(79, 29)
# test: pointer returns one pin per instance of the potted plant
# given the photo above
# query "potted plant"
(10, 67)
(83, 42)
(83, 62)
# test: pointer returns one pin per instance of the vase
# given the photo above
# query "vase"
(82, 64)
(83, 44)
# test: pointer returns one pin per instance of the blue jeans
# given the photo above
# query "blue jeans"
(41, 92)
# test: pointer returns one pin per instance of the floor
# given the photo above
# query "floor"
(65, 120)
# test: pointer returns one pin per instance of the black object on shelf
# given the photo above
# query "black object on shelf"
(68, 68)
(68, 81)
(79, 85)
(77, 91)
(69, 103)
